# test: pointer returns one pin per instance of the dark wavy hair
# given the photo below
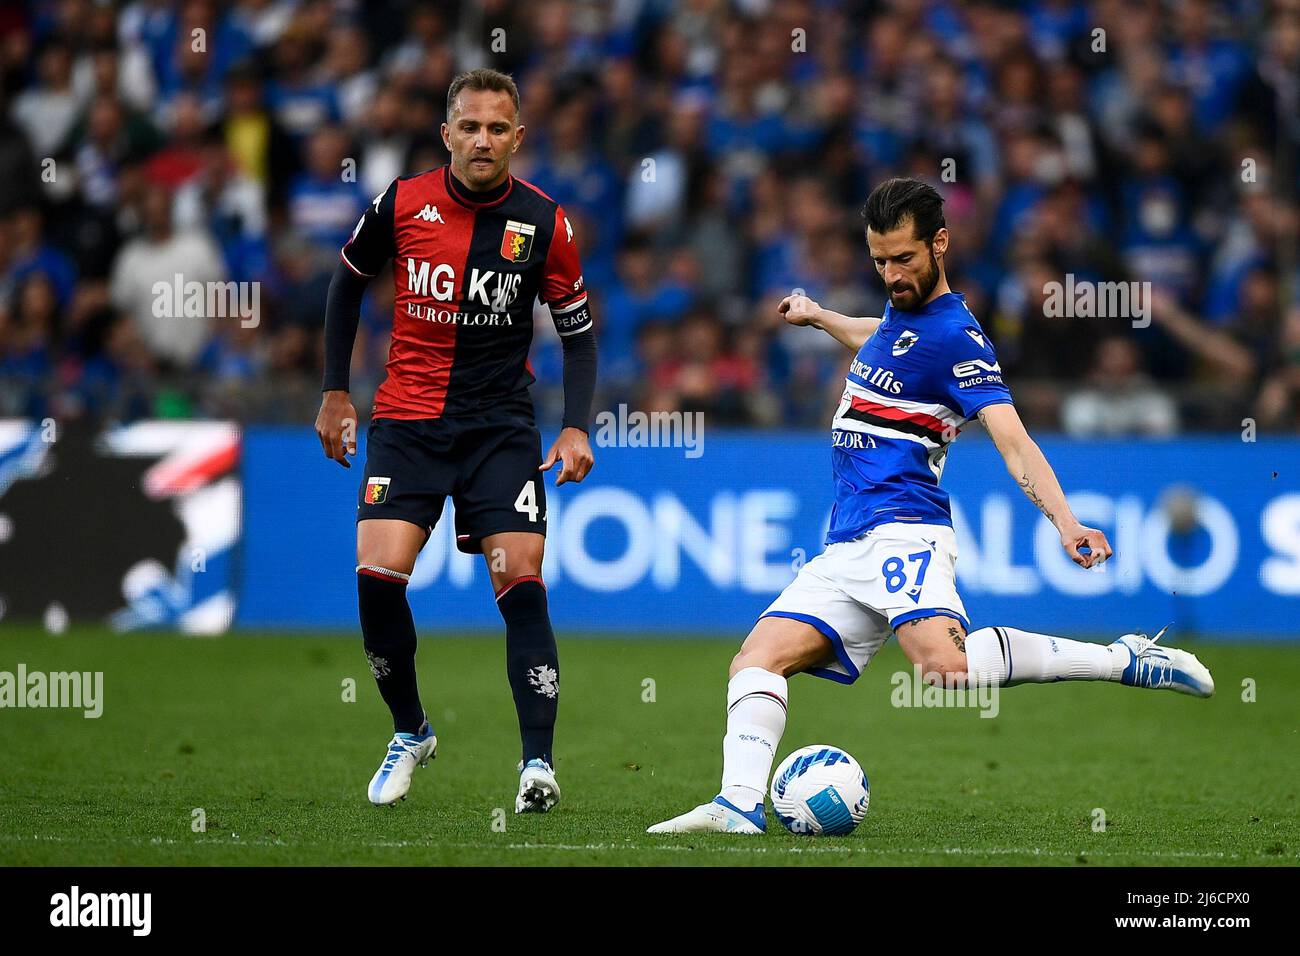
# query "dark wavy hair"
(899, 199)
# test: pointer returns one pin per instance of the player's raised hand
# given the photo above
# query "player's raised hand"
(1078, 537)
(573, 451)
(336, 427)
(798, 309)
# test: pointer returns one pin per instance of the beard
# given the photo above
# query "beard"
(910, 299)
(477, 175)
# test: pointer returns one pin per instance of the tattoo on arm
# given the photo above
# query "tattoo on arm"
(1027, 486)
(1025, 482)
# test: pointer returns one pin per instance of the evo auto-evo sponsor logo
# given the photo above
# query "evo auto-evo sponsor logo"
(976, 372)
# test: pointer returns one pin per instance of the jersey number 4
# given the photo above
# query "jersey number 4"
(526, 503)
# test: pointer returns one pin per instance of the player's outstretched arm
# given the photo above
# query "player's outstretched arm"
(1028, 466)
(848, 330)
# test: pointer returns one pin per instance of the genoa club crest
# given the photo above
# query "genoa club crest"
(517, 241)
(376, 490)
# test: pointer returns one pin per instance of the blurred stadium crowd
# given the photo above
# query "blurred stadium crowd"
(712, 154)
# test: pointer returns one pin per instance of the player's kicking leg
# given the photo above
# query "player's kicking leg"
(777, 648)
(532, 661)
(1008, 655)
(386, 552)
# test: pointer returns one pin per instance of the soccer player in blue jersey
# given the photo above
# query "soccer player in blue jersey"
(919, 374)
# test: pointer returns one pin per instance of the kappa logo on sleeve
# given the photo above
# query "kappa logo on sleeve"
(377, 490)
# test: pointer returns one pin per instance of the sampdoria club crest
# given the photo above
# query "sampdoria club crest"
(904, 342)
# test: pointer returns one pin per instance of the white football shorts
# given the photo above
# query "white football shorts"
(857, 592)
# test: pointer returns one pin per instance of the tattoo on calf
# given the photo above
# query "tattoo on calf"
(958, 638)
(954, 632)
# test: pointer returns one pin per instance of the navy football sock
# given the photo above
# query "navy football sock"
(389, 635)
(532, 664)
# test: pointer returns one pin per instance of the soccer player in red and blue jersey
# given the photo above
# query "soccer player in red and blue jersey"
(472, 249)
(918, 375)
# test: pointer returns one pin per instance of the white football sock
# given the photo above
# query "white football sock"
(756, 702)
(1006, 655)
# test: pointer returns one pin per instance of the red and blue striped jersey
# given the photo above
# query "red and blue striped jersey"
(467, 269)
(912, 386)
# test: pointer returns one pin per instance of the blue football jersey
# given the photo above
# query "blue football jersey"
(912, 386)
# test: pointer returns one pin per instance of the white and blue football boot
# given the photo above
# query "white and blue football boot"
(1163, 668)
(538, 790)
(405, 752)
(718, 816)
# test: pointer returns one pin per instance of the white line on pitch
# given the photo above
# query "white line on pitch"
(670, 848)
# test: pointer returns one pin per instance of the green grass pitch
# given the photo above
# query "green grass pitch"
(254, 730)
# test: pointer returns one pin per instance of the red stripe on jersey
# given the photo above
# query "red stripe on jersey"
(422, 351)
(898, 415)
(562, 278)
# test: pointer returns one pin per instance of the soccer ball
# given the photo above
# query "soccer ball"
(820, 791)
